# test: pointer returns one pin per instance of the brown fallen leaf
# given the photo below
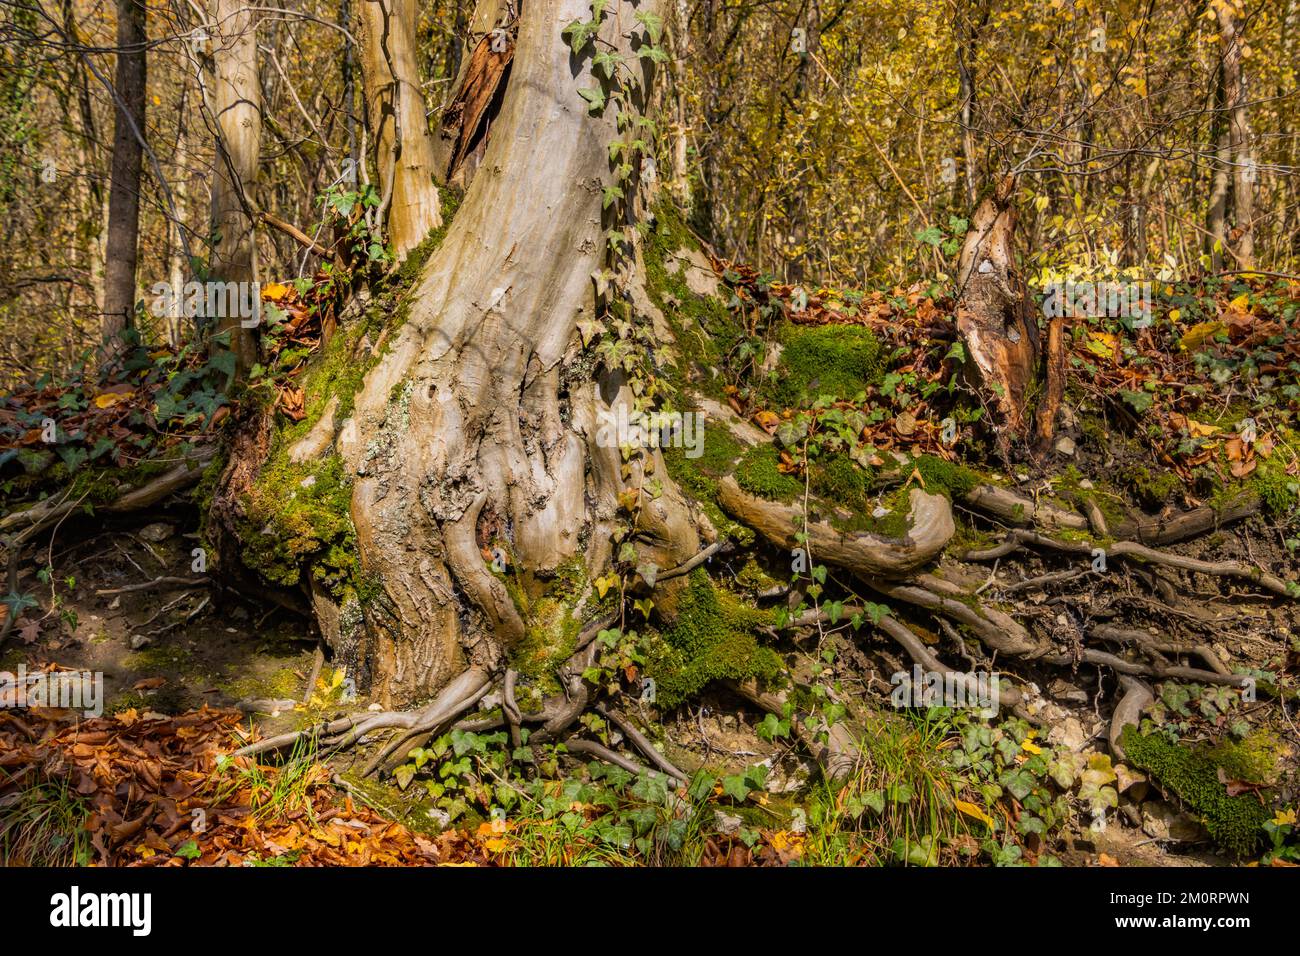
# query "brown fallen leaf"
(149, 683)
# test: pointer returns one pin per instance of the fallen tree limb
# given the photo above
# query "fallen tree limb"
(33, 519)
(163, 582)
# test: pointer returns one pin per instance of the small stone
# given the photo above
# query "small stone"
(1131, 783)
(139, 640)
(725, 822)
(440, 817)
(307, 482)
(1065, 445)
(1064, 690)
(117, 603)
(1086, 484)
(156, 532)
(375, 707)
(1160, 821)
(1069, 733)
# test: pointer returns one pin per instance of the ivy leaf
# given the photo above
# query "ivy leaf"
(595, 98)
(653, 23)
(1141, 401)
(735, 787)
(612, 194)
(607, 62)
(579, 34)
(649, 572)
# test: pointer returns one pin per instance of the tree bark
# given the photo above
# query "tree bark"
(396, 115)
(483, 413)
(237, 106)
(124, 190)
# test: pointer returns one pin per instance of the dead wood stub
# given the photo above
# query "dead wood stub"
(994, 315)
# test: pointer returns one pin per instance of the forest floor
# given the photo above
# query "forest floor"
(1180, 435)
(199, 655)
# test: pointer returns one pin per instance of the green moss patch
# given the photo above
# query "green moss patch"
(758, 474)
(1192, 774)
(840, 361)
(711, 639)
(297, 513)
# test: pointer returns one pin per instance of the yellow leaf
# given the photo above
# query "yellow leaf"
(1175, 315)
(1198, 430)
(1199, 334)
(1027, 747)
(109, 399)
(275, 291)
(1284, 818)
(337, 678)
(971, 810)
(1241, 303)
(1102, 344)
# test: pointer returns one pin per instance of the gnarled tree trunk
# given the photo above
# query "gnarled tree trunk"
(478, 428)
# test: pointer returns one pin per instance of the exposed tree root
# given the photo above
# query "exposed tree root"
(1138, 552)
(1128, 711)
(838, 754)
(930, 527)
(1015, 509)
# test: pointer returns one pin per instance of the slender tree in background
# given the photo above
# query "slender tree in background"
(395, 112)
(236, 102)
(1238, 132)
(124, 189)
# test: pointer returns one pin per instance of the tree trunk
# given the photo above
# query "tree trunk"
(1243, 165)
(124, 190)
(968, 37)
(178, 266)
(396, 116)
(237, 106)
(478, 428)
(1216, 217)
